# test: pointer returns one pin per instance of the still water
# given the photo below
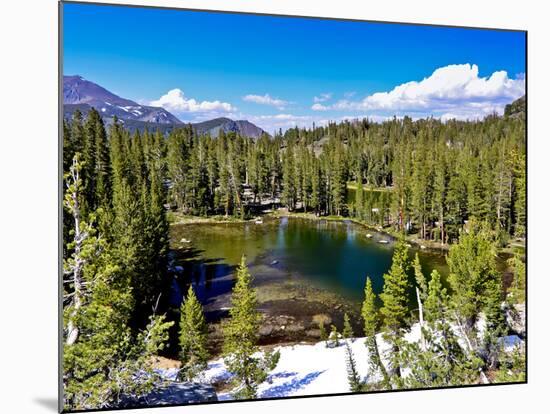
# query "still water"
(328, 255)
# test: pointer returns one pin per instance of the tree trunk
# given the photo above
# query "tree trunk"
(421, 318)
(72, 327)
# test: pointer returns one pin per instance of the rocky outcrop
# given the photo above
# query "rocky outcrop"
(516, 109)
(515, 318)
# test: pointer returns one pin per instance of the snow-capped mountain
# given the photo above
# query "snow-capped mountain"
(82, 94)
(79, 93)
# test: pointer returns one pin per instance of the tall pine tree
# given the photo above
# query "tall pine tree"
(192, 337)
(241, 339)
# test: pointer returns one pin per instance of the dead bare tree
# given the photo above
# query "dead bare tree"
(74, 266)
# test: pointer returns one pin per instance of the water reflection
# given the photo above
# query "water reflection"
(336, 256)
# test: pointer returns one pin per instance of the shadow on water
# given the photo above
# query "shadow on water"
(211, 279)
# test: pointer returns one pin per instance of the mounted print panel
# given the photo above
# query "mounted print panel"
(259, 206)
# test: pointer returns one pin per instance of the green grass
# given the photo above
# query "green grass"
(175, 217)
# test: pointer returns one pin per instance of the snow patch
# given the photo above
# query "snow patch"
(313, 369)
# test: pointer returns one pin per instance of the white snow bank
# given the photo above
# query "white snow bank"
(312, 369)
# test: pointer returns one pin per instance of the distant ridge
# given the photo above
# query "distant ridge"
(83, 95)
(214, 126)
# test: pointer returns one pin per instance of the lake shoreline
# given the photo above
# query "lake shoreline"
(428, 245)
(424, 244)
(181, 219)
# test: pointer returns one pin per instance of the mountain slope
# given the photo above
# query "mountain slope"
(214, 126)
(85, 95)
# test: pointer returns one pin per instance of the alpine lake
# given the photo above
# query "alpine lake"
(305, 271)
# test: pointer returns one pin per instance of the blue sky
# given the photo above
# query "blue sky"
(280, 72)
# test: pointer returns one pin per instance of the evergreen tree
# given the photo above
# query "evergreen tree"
(241, 338)
(316, 186)
(289, 190)
(107, 361)
(369, 312)
(322, 332)
(394, 295)
(101, 162)
(477, 291)
(77, 145)
(520, 200)
(348, 331)
(436, 301)
(512, 366)
(177, 160)
(516, 292)
(338, 180)
(359, 193)
(130, 239)
(438, 359)
(472, 271)
(439, 362)
(354, 380)
(68, 146)
(103, 357)
(420, 278)
(192, 337)
(440, 193)
(394, 310)
(495, 322)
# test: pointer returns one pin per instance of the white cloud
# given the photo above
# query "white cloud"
(285, 117)
(285, 121)
(322, 97)
(271, 123)
(176, 101)
(453, 89)
(266, 100)
(320, 107)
